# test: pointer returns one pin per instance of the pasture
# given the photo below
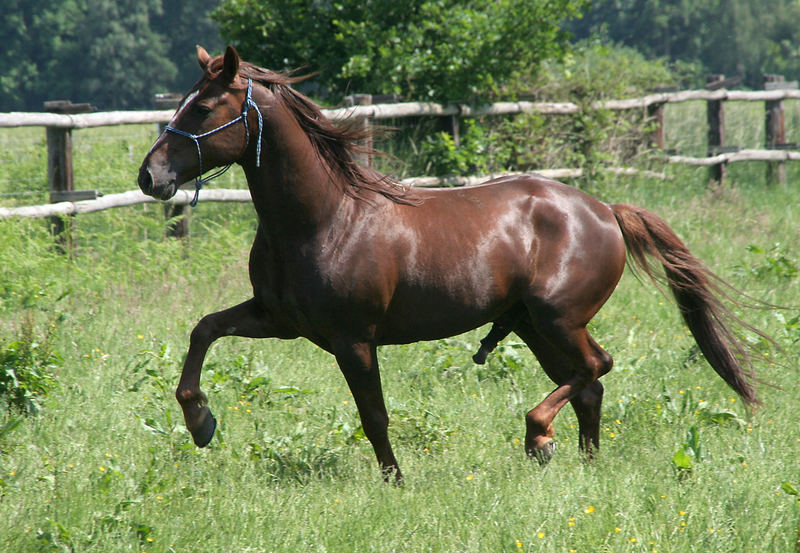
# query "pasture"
(105, 464)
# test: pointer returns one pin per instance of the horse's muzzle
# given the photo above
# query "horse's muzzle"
(148, 185)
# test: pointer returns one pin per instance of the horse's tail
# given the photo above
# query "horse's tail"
(697, 291)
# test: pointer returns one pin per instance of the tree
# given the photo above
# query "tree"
(20, 21)
(114, 54)
(444, 50)
(182, 25)
(734, 37)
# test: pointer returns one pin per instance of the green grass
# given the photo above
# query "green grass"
(106, 464)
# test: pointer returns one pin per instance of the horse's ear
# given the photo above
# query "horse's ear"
(203, 58)
(230, 65)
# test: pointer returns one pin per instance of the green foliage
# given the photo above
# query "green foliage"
(689, 453)
(590, 139)
(692, 451)
(791, 328)
(27, 368)
(114, 54)
(596, 69)
(441, 50)
(737, 37)
(420, 429)
(54, 537)
(789, 489)
(479, 152)
(773, 262)
(297, 454)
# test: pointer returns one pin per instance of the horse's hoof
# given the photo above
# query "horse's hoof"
(202, 435)
(480, 357)
(543, 453)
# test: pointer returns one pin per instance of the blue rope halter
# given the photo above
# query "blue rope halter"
(199, 182)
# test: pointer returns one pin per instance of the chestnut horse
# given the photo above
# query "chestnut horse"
(350, 260)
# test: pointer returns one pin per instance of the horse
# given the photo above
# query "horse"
(351, 260)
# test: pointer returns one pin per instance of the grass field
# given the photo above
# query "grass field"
(103, 463)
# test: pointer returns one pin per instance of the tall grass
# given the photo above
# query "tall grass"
(107, 465)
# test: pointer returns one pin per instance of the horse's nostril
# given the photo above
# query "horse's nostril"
(145, 180)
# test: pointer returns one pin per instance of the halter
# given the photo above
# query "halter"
(199, 182)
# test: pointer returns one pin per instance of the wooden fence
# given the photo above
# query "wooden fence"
(64, 117)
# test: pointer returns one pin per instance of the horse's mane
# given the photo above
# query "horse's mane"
(337, 144)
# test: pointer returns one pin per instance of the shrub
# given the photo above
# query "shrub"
(27, 368)
(588, 139)
(480, 151)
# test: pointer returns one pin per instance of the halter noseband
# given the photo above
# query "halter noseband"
(199, 182)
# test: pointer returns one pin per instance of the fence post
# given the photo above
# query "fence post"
(178, 213)
(774, 128)
(455, 128)
(364, 158)
(655, 115)
(59, 168)
(715, 115)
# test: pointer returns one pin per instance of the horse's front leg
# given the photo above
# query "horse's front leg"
(247, 319)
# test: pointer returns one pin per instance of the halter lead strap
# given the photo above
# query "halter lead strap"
(199, 182)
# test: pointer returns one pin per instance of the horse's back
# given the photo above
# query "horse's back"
(504, 192)
(539, 211)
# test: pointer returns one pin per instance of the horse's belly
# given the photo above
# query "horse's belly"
(430, 314)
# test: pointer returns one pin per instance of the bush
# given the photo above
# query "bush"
(480, 151)
(27, 369)
(597, 69)
(588, 139)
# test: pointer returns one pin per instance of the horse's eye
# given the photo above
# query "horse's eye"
(202, 109)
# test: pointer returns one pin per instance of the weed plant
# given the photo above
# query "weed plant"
(107, 465)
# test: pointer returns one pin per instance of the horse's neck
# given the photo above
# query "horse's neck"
(293, 191)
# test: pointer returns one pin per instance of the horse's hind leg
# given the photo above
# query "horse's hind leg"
(359, 364)
(246, 319)
(574, 361)
(588, 408)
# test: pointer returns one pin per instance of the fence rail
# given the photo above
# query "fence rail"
(409, 109)
(775, 156)
(123, 199)
(59, 126)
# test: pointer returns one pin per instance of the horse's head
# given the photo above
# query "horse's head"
(210, 128)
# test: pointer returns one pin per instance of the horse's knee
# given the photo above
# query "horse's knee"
(204, 331)
(537, 423)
